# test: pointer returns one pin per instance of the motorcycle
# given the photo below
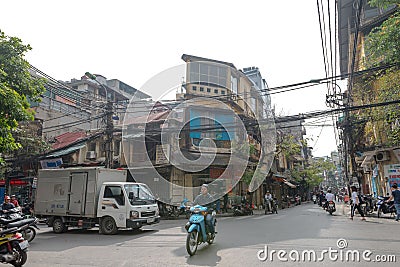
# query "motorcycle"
(367, 204)
(297, 200)
(385, 207)
(12, 218)
(197, 230)
(167, 210)
(274, 208)
(331, 207)
(314, 198)
(323, 203)
(242, 209)
(13, 247)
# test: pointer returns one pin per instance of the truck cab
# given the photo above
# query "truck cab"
(126, 205)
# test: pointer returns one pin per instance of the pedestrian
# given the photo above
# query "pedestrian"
(396, 197)
(356, 204)
(226, 203)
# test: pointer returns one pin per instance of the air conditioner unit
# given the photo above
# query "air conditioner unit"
(91, 155)
(382, 156)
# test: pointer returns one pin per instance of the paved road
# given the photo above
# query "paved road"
(295, 230)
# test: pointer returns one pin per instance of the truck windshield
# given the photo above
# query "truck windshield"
(141, 194)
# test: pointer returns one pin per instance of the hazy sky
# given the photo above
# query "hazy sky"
(134, 40)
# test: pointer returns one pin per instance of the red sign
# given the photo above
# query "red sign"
(14, 182)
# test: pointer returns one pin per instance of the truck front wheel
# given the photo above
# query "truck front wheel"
(108, 226)
(59, 226)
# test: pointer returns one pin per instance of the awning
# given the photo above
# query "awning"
(289, 184)
(66, 151)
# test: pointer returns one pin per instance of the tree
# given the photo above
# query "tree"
(17, 85)
(312, 174)
(382, 46)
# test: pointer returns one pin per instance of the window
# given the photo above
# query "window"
(208, 90)
(204, 73)
(222, 92)
(92, 146)
(201, 89)
(194, 88)
(215, 91)
(116, 193)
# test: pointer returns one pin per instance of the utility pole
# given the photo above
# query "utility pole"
(109, 125)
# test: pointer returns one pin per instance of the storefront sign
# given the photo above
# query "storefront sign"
(51, 163)
(392, 172)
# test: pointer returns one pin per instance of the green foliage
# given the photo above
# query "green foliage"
(247, 176)
(31, 144)
(16, 86)
(382, 44)
(288, 146)
(313, 173)
(383, 3)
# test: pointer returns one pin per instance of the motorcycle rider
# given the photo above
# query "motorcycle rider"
(268, 199)
(329, 197)
(321, 197)
(205, 199)
(14, 200)
(7, 205)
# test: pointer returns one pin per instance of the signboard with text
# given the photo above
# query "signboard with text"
(392, 172)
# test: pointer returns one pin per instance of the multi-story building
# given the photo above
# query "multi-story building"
(218, 116)
(371, 158)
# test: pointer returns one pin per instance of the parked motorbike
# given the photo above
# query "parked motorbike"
(368, 204)
(331, 208)
(13, 218)
(13, 247)
(384, 207)
(197, 231)
(242, 209)
(167, 210)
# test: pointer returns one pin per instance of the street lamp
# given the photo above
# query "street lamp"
(109, 125)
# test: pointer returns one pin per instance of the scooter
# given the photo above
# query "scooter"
(385, 207)
(331, 208)
(274, 208)
(13, 219)
(13, 247)
(242, 209)
(314, 198)
(197, 231)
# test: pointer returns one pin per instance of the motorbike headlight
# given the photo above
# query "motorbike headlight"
(134, 214)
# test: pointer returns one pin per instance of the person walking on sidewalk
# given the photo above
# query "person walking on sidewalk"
(356, 203)
(396, 196)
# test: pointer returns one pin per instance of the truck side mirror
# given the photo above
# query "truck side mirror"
(131, 195)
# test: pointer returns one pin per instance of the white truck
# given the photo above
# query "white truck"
(93, 196)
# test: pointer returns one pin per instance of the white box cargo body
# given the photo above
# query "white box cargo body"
(73, 191)
(90, 196)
